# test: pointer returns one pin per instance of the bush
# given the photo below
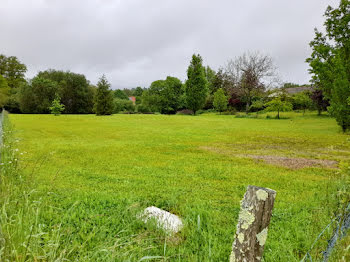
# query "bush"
(143, 109)
(246, 116)
(230, 112)
(121, 105)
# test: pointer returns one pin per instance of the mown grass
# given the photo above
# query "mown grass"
(93, 175)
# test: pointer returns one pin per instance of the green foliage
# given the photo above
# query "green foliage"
(196, 86)
(290, 85)
(76, 93)
(56, 108)
(104, 98)
(211, 78)
(143, 109)
(249, 76)
(4, 91)
(37, 96)
(164, 96)
(138, 91)
(13, 71)
(329, 61)
(122, 105)
(279, 105)
(220, 100)
(120, 94)
(302, 101)
(319, 101)
(257, 105)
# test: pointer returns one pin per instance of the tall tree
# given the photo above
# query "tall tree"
(120, 94)
(36, 96)
(4, 91)
(74, 89)
(251, 74)
(138, 91)
(164, 96)
(210, 75)
(13, 71)
(220, 100)
(196, 86)
(330, 62)
(320, 102)
(104, 98)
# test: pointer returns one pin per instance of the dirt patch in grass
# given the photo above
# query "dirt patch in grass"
(295, 163)
(289, 162)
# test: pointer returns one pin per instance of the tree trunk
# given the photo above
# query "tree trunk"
(253, 222)
(278, 114)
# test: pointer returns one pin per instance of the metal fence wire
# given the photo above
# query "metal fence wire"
(343, 225)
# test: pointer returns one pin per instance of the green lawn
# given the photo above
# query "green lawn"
(94, 174)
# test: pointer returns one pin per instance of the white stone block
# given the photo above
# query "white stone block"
(165, 220)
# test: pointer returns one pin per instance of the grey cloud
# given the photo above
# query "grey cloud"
(135, 42)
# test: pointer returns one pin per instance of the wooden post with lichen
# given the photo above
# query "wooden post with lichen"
(254, 219)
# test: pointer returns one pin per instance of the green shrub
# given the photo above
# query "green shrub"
(143, 109)
(121, 105)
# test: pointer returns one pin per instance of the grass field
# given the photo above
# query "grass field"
(93, 175)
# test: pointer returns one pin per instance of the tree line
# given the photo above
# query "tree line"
(247, 83)
(243, 84)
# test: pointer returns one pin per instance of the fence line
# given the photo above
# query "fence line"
(343, 226)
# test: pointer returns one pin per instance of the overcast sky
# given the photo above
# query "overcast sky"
(136, 42)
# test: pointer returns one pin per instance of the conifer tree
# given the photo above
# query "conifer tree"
(104, 98)
(56, 108)
(196, 88)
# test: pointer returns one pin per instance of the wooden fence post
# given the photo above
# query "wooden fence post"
(253, 222)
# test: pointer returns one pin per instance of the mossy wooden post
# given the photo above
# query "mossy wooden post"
(253, 222)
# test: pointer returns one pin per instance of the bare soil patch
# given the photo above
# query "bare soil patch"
(295, 163)
(289, 162)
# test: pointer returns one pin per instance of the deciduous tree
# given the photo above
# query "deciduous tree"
(220, 100)
(250, 74)
(164, 96)
(4, 91)
(120, 94)
(36, 96)
(319, 101)
(74, 89)
(302, 100)
(329, 62)
(278, 105)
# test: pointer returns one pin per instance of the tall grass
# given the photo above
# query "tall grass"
(22, 235)
(85, 212)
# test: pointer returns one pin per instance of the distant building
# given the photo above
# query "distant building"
(133, 99)
(298, 89)
(291, 90)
